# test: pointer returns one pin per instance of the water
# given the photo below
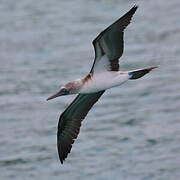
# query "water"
(133, 131)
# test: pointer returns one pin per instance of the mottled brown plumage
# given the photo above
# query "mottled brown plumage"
(86, 78)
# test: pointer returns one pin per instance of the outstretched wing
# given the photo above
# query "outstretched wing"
(109, 44)
(70, 122)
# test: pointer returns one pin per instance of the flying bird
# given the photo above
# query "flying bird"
(104, 74)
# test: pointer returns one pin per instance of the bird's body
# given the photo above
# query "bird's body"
(104, 80)
(104, 74)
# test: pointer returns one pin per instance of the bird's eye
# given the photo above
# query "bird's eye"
(65, 91)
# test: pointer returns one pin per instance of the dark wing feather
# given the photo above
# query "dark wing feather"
(70, 122)
(110, 41)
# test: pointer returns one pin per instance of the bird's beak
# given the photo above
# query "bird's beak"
(54, 96)
(60, 93)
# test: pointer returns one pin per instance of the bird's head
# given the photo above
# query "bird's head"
(67, 89)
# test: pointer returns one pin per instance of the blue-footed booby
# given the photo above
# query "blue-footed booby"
(104, 74)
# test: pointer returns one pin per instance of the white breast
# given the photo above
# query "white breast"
(104, 80)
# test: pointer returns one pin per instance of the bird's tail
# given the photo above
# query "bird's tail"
(138, 73)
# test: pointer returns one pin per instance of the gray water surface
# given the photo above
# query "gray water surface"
(133, 132)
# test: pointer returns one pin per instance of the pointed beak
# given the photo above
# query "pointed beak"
(54, 96)
(62, 92)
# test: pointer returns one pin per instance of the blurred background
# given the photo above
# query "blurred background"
(134, 130)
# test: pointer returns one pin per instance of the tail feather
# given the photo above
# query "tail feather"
(136, 74)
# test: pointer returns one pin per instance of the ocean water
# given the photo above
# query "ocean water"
(133, 132)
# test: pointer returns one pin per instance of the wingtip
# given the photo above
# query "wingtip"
(135, 6)
(61, 157)
(61, 161)
(132, 10)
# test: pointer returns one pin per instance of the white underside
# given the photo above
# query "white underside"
(104, 80)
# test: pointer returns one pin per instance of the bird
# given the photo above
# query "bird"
(104, 74)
